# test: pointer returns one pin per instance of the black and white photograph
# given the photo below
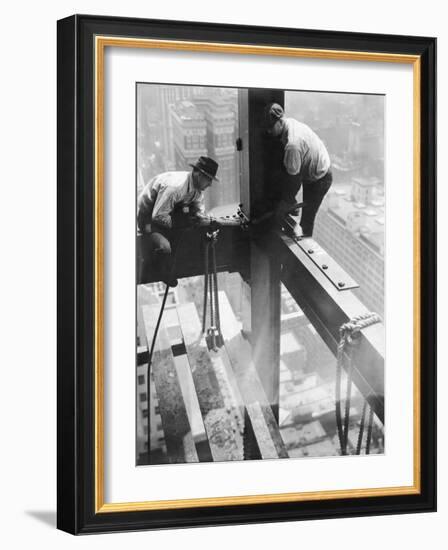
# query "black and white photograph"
(260, 224)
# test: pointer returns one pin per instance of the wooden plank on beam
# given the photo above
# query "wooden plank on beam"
(239, 352)
(262, 431)
(215, 396)
(192, 406)
(179, 441)
(145, 297)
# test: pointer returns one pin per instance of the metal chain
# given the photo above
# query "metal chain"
(369, 431)
(348, 332)
(215, 279)
(204, 309)
(361, 428)
(348, 397)
(214, 336)
(212, 313)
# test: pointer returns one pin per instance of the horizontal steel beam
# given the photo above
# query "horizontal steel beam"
(232, 252)
(328, 308)
(327, 265)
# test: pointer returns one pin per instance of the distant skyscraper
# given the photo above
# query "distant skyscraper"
(167, 97)
(350, 226)
(177, 124)
(189, 134)
(220, 116)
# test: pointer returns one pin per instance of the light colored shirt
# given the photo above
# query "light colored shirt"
(165, 191)
(305, 154)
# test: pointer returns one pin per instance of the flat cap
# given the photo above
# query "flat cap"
(273, 112)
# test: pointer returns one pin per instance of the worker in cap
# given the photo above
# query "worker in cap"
(306, 163)
(168, 204)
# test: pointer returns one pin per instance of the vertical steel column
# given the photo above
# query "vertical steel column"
(259, 161)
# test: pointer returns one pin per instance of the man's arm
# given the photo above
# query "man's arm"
(164, 205)
(145, 206)
(292, 159)
(199, 216)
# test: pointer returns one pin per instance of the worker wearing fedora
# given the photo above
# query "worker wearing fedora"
(305, 162)
(167, 204)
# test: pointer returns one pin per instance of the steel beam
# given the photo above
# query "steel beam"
(259, 161)
(232, 252)
(328, 308)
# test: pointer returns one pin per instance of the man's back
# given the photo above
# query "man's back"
(305, 153)
(162, 193)
(168, 183)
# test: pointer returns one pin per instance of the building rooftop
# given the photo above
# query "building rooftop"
(367, 182)
(187, 110)
(366, 221)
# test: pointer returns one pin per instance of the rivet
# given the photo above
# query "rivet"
(310, 251)
(324, 266)
(341, 284)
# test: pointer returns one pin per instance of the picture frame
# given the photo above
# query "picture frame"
(82, 195)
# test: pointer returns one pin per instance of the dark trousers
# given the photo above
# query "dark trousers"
(313, 194)
(156, 253)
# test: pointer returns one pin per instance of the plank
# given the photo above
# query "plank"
(191, 401)
(216, 399)
(262, 432)
(179, 441)
(240, 355)
(144, 297)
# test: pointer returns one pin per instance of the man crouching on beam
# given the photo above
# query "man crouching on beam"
(306, 163)
(161, 198)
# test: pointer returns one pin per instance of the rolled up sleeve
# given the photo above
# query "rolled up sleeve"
(145, 205)
(292, 159)
(167, 198)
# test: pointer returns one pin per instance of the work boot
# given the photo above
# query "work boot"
(165, 267)
(167, 278)
(170, 282)
(296, 211)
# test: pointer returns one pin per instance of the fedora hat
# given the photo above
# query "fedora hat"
(207, 166)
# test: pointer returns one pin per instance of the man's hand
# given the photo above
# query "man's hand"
(282, 209)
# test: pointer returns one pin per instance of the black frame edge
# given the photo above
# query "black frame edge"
(428, 322)
(67, 493)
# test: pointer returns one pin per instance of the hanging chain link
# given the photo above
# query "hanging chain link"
(213, 337)
(348, 333)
